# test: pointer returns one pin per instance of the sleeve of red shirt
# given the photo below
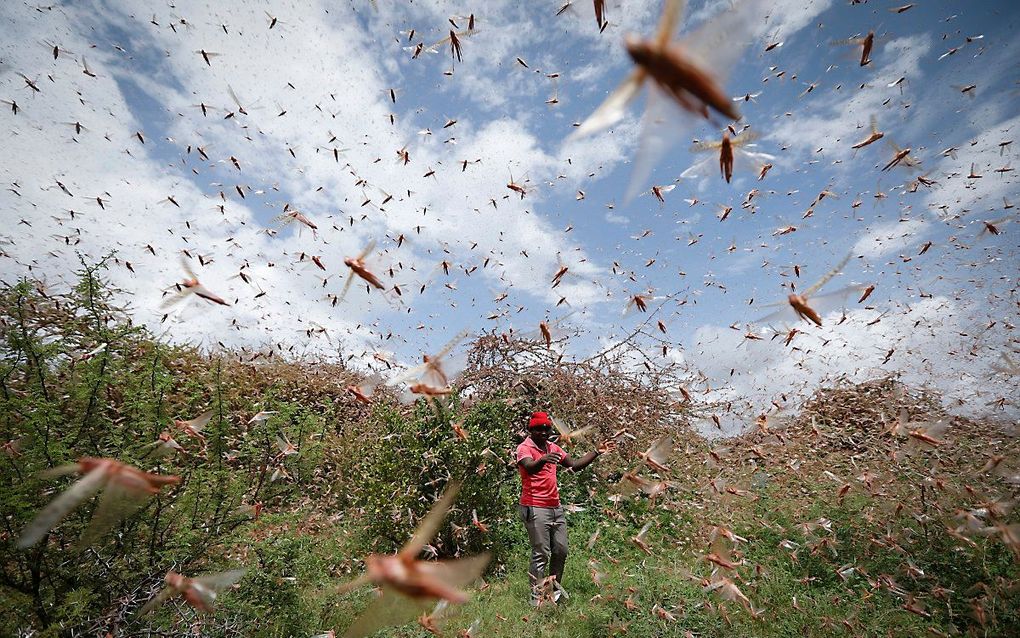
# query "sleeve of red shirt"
(522, 453)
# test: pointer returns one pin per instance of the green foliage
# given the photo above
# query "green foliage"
(57, 405)
(363, 477)
(406, 461)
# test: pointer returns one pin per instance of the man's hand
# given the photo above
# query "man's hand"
(551, 457)
(606, 446)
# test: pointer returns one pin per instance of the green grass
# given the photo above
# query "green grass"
(880, 552)
(825, 603)
(504, 610)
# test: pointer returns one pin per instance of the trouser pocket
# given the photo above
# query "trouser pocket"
(525, 513)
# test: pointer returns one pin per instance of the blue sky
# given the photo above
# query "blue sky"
(331, 67)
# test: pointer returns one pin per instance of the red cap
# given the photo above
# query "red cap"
(539, 419)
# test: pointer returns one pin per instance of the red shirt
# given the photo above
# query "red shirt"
(539, 489)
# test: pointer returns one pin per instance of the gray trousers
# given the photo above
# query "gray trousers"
(547, 529)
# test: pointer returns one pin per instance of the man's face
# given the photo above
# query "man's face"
(541, 434)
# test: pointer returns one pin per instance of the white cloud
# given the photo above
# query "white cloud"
(833, 122)
(936, 343)
(889, 237)
(613, 218)
(340, 88)
(958, 196)
(341, 66)
(782, 17)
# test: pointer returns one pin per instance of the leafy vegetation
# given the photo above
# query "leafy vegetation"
(824, 532)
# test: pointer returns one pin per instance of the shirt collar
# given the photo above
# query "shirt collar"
(531, 443)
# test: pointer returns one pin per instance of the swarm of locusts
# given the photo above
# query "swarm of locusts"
(846, 497)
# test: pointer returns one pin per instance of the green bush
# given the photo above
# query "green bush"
(57, 406)
(364, 476)
(407, 460)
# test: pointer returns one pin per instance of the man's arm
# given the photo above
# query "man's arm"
(534, 465)
(585, 461)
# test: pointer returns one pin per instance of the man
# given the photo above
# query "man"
(537, 458)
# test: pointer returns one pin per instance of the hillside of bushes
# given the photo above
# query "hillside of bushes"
(867, 512)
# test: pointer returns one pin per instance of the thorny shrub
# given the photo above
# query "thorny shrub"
(57, 405)
(363, 476)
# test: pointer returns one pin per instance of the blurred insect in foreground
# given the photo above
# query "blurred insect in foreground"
(916, 435)
(190, 286)
(199, 592)
(165, 445)
(411, 586)
(363, 393)
(453, 39)
(659, 191)
(472, 630)
(719, 553)
(548, 332)
(262, 416)
(1006, 365)
(654, 457)
(433, 376)
(731, 154)
(566, 435)
(358, 267)
(866, 43)
(195, 426)
(13, 447)
(872, 138)
(995, 226)
(640, 301)
(727, 590)
(691, 72)
(127, 488)
(902, 157)
(813, 311)
(724, 588)
(600, 14)
(641, 539)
